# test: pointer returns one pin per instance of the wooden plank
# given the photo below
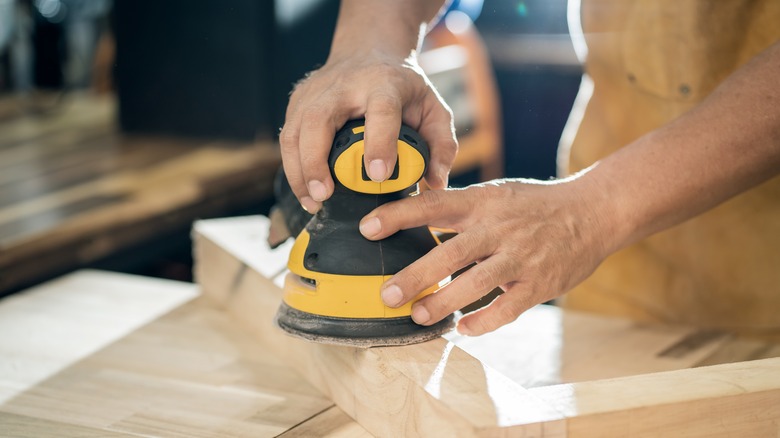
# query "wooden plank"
(102, 156)
(92, 371)
(154, 201)
(76, 112)
(332, 423)
(51, 146)
(74, 192)
(548, 346)
(431, 389)
(51, 327)
(22, 426)
(738, 399)
(438, 388)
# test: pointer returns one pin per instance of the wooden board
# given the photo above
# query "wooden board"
(105, 354)
(74, 191)
(561, 373)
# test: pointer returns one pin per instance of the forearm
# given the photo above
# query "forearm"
(726, 145)
(395, 27)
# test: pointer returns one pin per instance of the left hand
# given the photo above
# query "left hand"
(534, 239)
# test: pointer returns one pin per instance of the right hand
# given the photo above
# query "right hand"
(534, 239)
(384, 89)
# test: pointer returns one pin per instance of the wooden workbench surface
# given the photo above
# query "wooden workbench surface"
(550, 373)
(74, 191)
(105, 354)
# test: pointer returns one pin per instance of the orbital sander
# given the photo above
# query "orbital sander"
(332, 292)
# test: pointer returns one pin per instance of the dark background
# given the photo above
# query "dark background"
(224, 69)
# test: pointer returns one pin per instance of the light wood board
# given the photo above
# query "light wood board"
(561, 373)
(105, 354)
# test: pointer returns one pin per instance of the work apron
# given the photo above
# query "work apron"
(649, 62)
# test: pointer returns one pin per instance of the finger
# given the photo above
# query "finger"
(289, 140)
(438, 128)
(383, 123)
(437, 208)
(433, 267)
(503, 310)
(318, 127)
(464, 290)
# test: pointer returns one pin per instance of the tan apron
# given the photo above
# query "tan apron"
(650, 61)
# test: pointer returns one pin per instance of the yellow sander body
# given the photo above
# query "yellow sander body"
(332, 293)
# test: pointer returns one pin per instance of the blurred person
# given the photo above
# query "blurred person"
(6, 22)
(84, 22)
(51, 42)
(15, 25)
(678, 114)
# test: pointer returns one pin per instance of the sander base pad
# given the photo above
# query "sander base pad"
(358, 332)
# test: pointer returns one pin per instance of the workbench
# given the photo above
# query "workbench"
(105, 354)
(75, 192)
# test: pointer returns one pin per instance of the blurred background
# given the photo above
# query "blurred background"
(122, 121)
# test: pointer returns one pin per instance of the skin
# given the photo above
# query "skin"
(371, 72)
(538, 239)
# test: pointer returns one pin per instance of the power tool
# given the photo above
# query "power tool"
(332, 292)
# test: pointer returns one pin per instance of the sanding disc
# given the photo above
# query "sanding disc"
(358, 332)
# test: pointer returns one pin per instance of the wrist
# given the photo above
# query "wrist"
(368, 46)
(602, 212)
(393, 28)
(372, 55)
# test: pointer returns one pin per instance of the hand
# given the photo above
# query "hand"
(534, 239)
(382, 88)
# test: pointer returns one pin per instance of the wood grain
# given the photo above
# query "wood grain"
(332, 422)
(105, 354)
(438, 388)
(435, 393)
(74, 191)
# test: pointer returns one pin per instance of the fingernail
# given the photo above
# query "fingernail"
(420, 315)
(317, 190)
(464, 330)
(370, 227)
(377, 170)
(310, 205)
(392, 295)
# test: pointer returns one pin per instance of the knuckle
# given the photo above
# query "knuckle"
(451, 145)
(313, 117)
(431, 201)
(438, 305)
(388, 215)
(493, 192)
(310, 165)
(482, 324)
(505, 316)
(447, 112)
(385, 104)
(457, 253)
(510, 311)
(415, 278)
(439, 104)
(483, 279)
(315, 170)
(447, 152)
(288, 138)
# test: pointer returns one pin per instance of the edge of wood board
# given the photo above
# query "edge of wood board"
(435, 388)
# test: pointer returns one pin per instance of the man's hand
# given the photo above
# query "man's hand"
(535, 240)
(371, 72)
(384, 89)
